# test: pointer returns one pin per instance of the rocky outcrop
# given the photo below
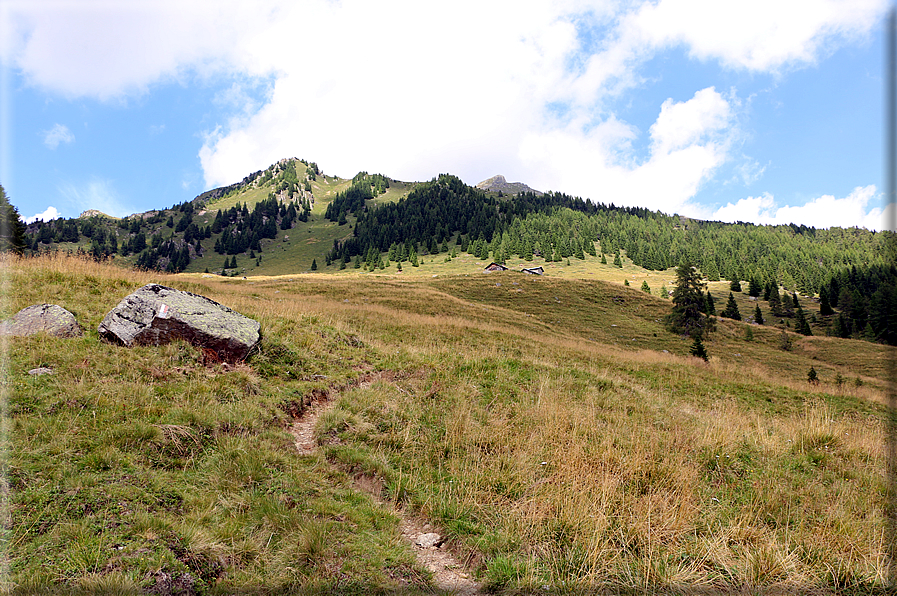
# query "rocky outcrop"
(155, 314)
(498, 183)
(42, 318)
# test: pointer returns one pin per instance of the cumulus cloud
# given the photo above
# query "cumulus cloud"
(761, 35)
(689, 140)
(60, 133)
(49, 214)
(856, 209)
(412, 89)
(108, 49)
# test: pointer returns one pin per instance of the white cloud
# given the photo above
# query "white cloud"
(689, 141)
(822, 212)
(96, 194)
(60, 133)
(49, 214)
(413, 88)
(682, 124)
(760, 35)
(106, 49)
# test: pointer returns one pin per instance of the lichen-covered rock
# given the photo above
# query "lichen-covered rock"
(155, 314)
(42, 318)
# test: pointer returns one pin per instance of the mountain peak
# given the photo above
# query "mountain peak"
(499, 183)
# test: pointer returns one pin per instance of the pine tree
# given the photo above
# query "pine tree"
(735, 285)
(625, 282)
(688, 302)
(698, 349)
(12, 230)
(812, 377)
(801, 325)
(785, 340)
(709, 304)
(758, 315)
(314, 264)
(617, 261)
(775, 302)
(603, 259)
(645, 287)
(825, 307)
(754, 287)
(731, 310)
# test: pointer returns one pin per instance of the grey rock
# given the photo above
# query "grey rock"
(499, 183)
(155, 314)
(42, 318)
(428, 540)
(43, 370)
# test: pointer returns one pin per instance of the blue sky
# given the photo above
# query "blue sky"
(758, 111)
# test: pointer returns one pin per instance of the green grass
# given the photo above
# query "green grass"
(536, 420)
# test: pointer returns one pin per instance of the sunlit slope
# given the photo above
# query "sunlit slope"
(515, 412)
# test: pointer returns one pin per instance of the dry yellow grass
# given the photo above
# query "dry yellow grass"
(571, 461)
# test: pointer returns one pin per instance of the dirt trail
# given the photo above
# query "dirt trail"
(449, 574)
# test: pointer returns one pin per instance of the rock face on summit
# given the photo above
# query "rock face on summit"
(155, 315)
(42, 318)
(498, 183)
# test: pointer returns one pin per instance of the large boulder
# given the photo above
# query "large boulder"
(155, 315)
(42, 318)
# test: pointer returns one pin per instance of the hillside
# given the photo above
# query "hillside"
(292, 218)
(549, 428)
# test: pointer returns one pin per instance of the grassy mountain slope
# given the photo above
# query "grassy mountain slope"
(537, 421)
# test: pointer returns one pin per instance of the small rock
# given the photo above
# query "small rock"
(42, 318)
(43, 370)
(428, 540)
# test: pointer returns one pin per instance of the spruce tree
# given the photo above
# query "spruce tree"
(758, 315)
(314, 264)
(731, 310)
(735, 285)
(801, 325)
(775, 302)
(812, 377)
(698, 349)
(12, 230)
(710, 305)
(603, 259)
(754, 288)
(687, 317)
(825, 307)
(645, 287)
(617, 261)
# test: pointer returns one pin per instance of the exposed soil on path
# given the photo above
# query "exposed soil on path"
(432, 551)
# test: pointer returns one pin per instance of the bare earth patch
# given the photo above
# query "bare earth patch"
(429, 546)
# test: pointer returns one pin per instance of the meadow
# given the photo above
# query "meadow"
(550, 427)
